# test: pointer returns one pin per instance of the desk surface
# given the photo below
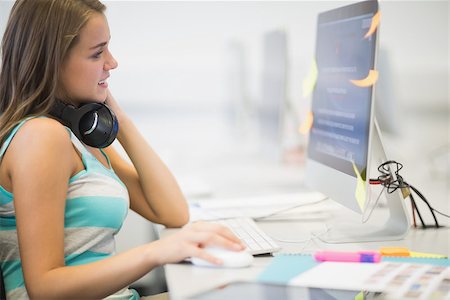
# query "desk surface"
(185, 279)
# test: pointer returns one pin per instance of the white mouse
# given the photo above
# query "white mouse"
(230, 258)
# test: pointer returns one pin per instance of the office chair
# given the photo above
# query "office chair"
(2, 287)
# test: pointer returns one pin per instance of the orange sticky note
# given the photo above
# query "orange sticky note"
(394, 251)
(370, 80)
(307, 124)
(374, 24)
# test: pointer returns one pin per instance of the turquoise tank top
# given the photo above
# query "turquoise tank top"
(96, 205)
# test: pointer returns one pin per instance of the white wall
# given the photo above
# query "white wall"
(177, 50)
(174, 54)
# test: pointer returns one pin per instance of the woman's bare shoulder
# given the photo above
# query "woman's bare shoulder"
(41, 135)
(43, 128)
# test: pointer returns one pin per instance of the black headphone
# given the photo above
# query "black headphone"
(95, 124)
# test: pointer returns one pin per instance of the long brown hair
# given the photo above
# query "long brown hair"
(37, 39)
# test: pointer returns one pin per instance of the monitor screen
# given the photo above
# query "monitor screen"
(339, 136)
(339, 140)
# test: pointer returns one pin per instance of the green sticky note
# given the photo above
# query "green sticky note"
(360, 296)
(360, 191)
(310, 82)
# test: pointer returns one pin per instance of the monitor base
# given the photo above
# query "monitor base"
(393, 224)
(358, 233)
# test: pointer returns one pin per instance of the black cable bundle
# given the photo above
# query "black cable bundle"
(386, 179)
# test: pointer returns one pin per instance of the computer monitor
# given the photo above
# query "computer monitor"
(273, 93)
(344, 138)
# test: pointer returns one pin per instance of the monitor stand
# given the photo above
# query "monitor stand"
(394, 228)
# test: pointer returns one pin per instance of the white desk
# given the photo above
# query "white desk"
(185, 279)
(233, 179)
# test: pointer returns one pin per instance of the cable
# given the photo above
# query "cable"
(417, 210)
(413, 213)
(365, 218)
(435, 210)
(427, 203)
(312, 237)
(284, 209)
(387, 180)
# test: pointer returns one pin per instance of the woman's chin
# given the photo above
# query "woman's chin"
(100, 98)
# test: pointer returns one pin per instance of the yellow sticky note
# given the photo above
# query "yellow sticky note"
(307, 124)
(310, 82)
(405, 192)
(426, 255)
(374, 24)
(360, 296)
(360, 191)
(370, 80)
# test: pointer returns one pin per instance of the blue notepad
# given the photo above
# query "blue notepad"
(285, 267)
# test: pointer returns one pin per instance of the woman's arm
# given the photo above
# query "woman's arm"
(40, 162)
(154, 192)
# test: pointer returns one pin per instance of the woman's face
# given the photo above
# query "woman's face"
(87, 66)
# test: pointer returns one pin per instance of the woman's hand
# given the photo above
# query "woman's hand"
(112, 103)
(192, 238)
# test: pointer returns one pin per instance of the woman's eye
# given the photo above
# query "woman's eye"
(98, 54)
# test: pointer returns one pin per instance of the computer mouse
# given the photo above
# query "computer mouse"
(230, 258)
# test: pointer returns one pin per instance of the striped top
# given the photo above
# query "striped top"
(96, 205)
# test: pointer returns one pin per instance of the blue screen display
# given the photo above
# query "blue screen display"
(342, 110)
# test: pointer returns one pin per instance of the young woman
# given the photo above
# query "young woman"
(61, 200)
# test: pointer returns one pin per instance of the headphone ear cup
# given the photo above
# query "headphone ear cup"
(98, 125)
(95, 124)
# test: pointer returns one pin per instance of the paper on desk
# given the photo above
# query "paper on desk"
(285, 267)
(267, 212)
(398, 280)
(258, 207)
(339, 275)
(277, 199)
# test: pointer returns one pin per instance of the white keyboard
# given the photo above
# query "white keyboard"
(256, 240)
